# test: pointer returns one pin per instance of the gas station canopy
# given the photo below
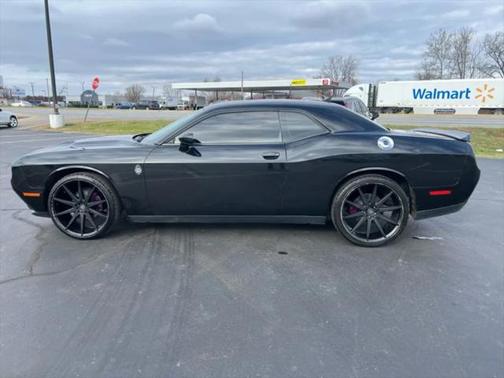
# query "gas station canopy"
(261, 85)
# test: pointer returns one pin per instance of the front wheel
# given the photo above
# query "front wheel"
(13, 122)
(370, 210)
(83, 205)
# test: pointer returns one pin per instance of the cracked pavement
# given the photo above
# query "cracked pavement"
(219, 301)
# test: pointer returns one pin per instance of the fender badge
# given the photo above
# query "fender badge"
(385, 143)
(138, 169)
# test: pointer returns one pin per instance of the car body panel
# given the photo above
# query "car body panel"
(5, 116)
(223, 180)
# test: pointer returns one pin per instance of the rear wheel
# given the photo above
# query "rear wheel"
(83, 205)
(13, 122)
(370, 210)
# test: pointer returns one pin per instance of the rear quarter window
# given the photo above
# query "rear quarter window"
(297, 126)
(340, 119)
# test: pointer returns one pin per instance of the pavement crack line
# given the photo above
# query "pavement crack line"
(35, 255)
(46, 274)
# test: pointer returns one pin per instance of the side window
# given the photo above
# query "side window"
(240, 127)
(296, 126)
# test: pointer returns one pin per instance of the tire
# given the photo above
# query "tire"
(370, 210)
(13, 122)
(83, 205)
(133, 107)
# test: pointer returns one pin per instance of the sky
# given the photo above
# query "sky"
(157, 42)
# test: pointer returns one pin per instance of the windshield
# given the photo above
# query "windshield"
(170, 129)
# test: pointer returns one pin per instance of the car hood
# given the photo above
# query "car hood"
(54, 153)
(93, 143)
(101, 142)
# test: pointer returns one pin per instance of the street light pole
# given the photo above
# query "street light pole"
(51, 59)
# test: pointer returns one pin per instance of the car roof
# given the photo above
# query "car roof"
(251, 104)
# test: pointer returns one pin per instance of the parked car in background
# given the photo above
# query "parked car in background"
(354, 104)
(21, 104)
(123, 105)
(146, 104)
(8, 119)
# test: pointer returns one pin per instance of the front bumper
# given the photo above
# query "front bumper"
(20, 184)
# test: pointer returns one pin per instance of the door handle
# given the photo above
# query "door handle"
(271, 155)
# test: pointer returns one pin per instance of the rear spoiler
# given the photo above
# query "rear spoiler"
(454, 134)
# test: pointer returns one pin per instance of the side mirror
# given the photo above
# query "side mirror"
(187, 145)
(374, 115)
(188, 140)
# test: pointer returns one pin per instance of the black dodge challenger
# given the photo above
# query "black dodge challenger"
(254, 161)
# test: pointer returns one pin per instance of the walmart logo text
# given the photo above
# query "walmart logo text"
(435, 94)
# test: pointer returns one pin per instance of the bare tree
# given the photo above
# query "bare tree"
(493, 48)
(134, 92)
(465, 54)
(437, 55)
(425, 71)
(341, 69)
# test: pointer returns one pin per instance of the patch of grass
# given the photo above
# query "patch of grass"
(114, 127)
(485, 141)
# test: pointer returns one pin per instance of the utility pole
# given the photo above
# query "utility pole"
(33, 91)
(51, 58)
(242, 85)
(153, 92)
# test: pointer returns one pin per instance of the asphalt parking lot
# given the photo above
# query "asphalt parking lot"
(220, 301)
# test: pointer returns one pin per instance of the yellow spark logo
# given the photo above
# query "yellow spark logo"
(484, 93)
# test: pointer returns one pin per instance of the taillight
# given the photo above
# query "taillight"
(445, 192)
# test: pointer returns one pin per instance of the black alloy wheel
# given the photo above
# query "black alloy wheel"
(83, 205)
(370, 210)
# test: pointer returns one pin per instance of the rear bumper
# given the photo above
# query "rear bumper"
(423, 214)
(428, 206)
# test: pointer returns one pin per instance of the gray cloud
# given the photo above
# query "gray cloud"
(156, 42)
(115, 42)
(201, 23)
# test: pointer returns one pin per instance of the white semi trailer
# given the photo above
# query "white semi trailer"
(464, 96)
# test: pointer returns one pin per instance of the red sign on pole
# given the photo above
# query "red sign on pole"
(96, 83)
